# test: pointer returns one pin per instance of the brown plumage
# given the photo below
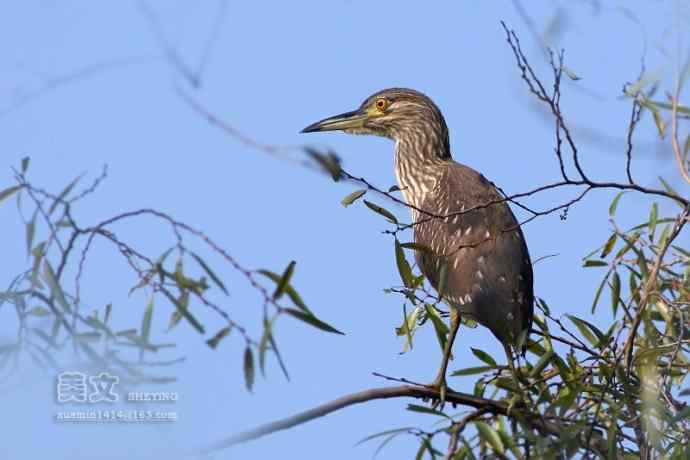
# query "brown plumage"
(460, 216)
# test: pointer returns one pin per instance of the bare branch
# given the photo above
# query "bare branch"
(598, 442)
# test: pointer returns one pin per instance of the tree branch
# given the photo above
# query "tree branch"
(535, 421)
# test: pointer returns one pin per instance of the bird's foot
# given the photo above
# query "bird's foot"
(442, 388)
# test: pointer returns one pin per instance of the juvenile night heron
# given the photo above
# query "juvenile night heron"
(476, 244)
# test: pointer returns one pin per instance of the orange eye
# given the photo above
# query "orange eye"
(381, 104)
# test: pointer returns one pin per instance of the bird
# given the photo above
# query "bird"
(471, 244)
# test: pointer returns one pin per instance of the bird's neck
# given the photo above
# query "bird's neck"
(419, 164)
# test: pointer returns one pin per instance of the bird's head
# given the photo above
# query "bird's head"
(394, 113)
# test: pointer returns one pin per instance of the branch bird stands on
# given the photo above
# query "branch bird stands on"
(476, 248)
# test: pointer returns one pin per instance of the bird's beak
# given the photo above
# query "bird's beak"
(347, 120)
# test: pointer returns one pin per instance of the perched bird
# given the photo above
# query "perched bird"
(473, 240)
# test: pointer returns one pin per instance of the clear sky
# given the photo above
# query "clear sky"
(276, 67)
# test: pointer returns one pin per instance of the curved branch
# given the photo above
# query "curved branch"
(536, 421)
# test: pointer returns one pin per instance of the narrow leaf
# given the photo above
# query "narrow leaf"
(416, 247)
(328, 161)
(352, 197)
(587, 329)
(425, 410)
(489, 435)
(289, 290)
(30, 232)
(614, 204)
(220, 335)
(615, 291)
(181, 304)
(210, 273)
(284, 281)
(403, 266)
(439, 326)
(472, 370)
(608, 247)
(55, 288)
(670, 190)
(384, 212)
(146, 322)
(64, 193)
(8, 192)
(595, 263)
(311, 319)
(653, 218)
(249, 369)
(484, 356)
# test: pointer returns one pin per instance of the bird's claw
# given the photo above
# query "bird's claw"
(441, 386)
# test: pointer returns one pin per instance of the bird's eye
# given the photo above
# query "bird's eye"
(381, 104)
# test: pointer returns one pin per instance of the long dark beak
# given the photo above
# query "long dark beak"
(347, 120)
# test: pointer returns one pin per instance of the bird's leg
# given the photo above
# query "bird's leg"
(518, 376)
(440, 381)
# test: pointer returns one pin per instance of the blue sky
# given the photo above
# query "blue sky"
(275, 68)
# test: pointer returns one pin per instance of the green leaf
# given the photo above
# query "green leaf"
(284, 281)
(587, 329)
(614, 204)
(383, 433)
(472, 370)
(174, 320)
(541, 364)
(670, 190)
(289, 290)
(249, 368)
(667, 106)
(403, 266)
(352, 197)
(608, 247)
(490, 436)
(146, 322)
(210, 273)
(572, 75)
(30, 232)
(8, 192)
(39, 311)
(663, 238)
(615, 292)
(312, 320)
(416, 247)
(328, 161)
(384, 212)
(653, 217)
(220, 335)
(484, 356)
(595, 263)
(55, 288)
(182, 307)
(659, 122)
(439, 325)
(25, 164)
(274, 347)
(263, 344)
(425, 410)
(64, 193)
(408, 326)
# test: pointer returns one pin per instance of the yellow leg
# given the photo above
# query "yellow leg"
(440, 381)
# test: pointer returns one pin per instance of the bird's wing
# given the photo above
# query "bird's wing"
(484, 251)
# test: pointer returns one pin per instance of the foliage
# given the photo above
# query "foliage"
(611, 390)
(52, 316)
